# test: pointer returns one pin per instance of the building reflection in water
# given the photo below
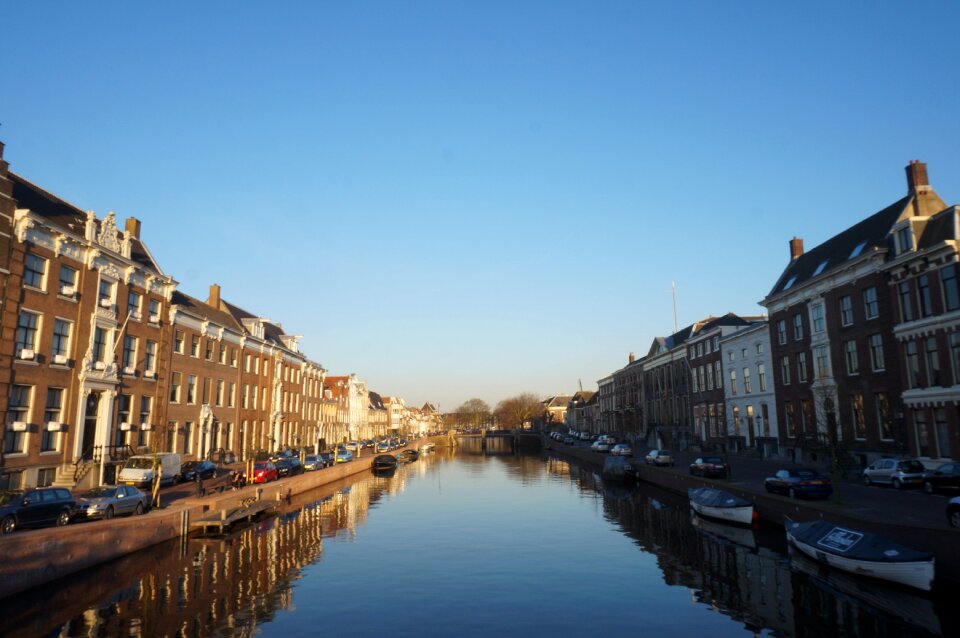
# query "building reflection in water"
(747, 575)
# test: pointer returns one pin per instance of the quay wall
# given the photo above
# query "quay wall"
(31, 558)
(772, 508)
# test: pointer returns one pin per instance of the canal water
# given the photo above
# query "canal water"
(469, 543)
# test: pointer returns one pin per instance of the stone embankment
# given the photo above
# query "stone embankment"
(772, 508)
(31, 558)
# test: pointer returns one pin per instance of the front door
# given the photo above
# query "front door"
(90, 425)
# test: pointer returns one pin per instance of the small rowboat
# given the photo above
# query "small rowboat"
(406, 456)
(720, 505)
(862, 553)
(384, 462)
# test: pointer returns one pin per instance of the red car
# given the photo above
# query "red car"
(710, 466)
(264, 472)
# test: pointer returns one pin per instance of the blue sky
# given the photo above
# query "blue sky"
(458, 199)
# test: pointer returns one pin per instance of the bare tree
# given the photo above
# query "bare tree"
(517, 411)
(473, 412)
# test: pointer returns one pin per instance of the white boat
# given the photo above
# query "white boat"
(862, 553)
(427, 447)
(720, 505)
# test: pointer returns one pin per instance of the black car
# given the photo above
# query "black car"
(710, 466)
(945, 477)
(206, 470)
(327, 458)
(799, 481)
(35, 508)
(289, 467)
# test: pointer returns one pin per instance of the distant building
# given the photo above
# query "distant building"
(749, 391)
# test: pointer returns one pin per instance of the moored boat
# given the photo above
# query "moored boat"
(427, 447)
(720, 505)
(406, 456)
(384, 462)
(618, 468)
(862, 553)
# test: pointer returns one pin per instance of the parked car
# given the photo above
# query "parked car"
(799, 481)
(621, 449)
(328, 458)
(289, 467)
(344, 455)
(600, 445)
(264, 472)
(312, 462)
(712, 466)
(35, 508)
(568, 440)
(945, 477)
(383, 446)
(189, 470)
(353, 446)
(659, 457)
(108, 501)
(585, 436)
(953, 511)
(896, 472)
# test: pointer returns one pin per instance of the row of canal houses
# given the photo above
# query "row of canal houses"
(859, 353)
(101, 356)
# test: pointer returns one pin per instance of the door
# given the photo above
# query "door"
(90, 425)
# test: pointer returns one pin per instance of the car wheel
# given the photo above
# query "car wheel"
(109, 513)
(792, 493)
(8, 525)
(953, 517)
(63, 518)
(897, 484)
(867, 481)
(928, 487)
(139, 510)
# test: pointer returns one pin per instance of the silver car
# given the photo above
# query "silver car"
(899, 473)
(660, 457)
(108, 501)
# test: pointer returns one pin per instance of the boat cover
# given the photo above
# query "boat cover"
(711, 497)
(617, 468)
(850, 543)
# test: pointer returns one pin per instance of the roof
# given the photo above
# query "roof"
(862, 238)
(940, 228)
(68, 217)
(376, 402)
(196, 307)
(707, 323)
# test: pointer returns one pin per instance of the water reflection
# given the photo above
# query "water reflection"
(231, 586)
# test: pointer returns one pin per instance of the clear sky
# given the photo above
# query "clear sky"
(458, 199)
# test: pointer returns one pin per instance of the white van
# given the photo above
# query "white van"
(138, 470)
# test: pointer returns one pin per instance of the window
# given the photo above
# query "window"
(27, 327)
(125, 403)
(802, 367)
(822, 361)
(99, 344)
(951, 292)
(817, 313)
(133, 304)
(955, 356)
(191, 389)
(870, 305)
(34, 270)
(263, 399)
(709, 374)
(857, 250)
(208, 353)
(856, 408)
(743, 353)
(913, 364)
(150, 356)
(933, 363)
(736, 420)
(782, 332)
(129, 352)
(797, 327)
(18, 409)
(246, 363)
(205, 397)
(716, 343)
(746, 381)
(920, 431)
(762, 377)
(68, 281)
(885, 426)
(846, 311)
(789, 420)
(175, 382)
(906, 306)
(759, 347)
(850, 353)
(806, 414)
(105, 293)
(697, 386)
(942, 433)
(178, 341)
(256, 365)
(718, 373)
(223, 355)
(823, 264)
(219, 400)
(233, 357)
(146, 403)
(51, 414)
(904, 240)
(194, 346)
(729, 355)
(61, 337)
(153, 308)
(699, 350)
(706, 347)
(876, 352)
(785, 370)
(253, 397)
(923, 293)
(733, 382)
(231, 394)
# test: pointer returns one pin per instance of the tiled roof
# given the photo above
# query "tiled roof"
(201, 309)
(860, 239)
(376, 402)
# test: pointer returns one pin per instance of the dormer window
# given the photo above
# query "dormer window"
(904, 240)
(789, 282)
(823, 264)
(857, 250)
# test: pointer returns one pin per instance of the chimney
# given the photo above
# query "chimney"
(214, 299)
(916, 176)
(631, 358)
(132, 226)
(796, 248)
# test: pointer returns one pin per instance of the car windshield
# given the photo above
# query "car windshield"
(803, 473)
(911, 466)
(189, 465)
(100, 492)
(664, 452)
(140, 463)
(10, 496)
(713, 459)
(260, 466)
